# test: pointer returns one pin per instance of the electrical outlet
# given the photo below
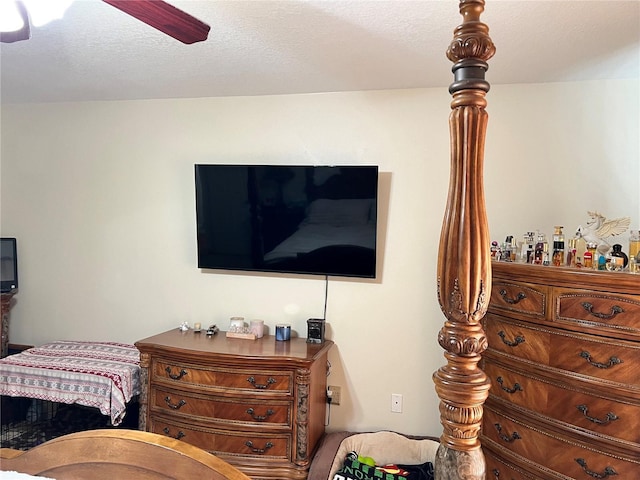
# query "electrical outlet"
(334, 393)
(396, 403)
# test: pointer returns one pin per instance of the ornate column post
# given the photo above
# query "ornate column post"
(5, 304)
(303, 378)
(143, 399)
(464, 263)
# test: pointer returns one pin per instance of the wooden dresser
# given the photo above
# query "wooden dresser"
(258, 404)
(564, 364)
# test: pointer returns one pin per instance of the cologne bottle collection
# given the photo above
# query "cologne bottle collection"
(574, 252)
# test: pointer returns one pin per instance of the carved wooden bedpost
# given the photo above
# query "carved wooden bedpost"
(464, 262)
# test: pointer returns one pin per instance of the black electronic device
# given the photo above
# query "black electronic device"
(317, 220)
(8, 265)
(315, 330)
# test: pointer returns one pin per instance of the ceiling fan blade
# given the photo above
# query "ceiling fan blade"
(166, 18)
(24, 33)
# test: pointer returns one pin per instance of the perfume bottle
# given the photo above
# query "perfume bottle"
(494, 250)
(546, 258)
(619, 257)
(581, 248)
(634, 243)
(634, 264)
(613, 263)
(528, 247)
(558, 247)
(590, 256)
(602, 262)
(506, 249)
(539, 249)
(510, 249)
(571, 252)
(514, 249)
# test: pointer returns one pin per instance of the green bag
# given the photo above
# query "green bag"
(352, 469)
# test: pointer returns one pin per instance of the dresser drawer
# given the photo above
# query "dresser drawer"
(558, 453)
(527, 299)
(256, 380)
(553, 399)
(603, 358)
(607, 359)
(239, 411)
(500, 469)
(598, 311)
(517, 388)
(517, 339)
(599, 415)
(236, 443)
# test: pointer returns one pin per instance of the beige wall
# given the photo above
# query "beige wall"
(100, 196)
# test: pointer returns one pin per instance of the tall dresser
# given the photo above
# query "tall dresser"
(564, 364)
(258, 404)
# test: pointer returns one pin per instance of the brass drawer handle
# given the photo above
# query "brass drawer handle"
(259, 418)
(607, 470)
(516, 386)
(615, 310)
(259, 386)
(512, 301)
(496, 474)
(612, 361)
(516, 341)
(175, 406)
(174, 376)
(167, 432)
(267, 446)
(608, 418)
(507, 438)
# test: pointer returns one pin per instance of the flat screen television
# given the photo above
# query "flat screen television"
(8, 265)
(317, 220)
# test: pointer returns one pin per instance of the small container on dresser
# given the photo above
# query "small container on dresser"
(259, 404)
(564, 365)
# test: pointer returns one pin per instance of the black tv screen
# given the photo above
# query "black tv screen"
(317, 220)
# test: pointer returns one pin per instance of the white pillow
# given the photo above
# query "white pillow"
(386, 447)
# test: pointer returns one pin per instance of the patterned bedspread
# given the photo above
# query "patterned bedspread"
(104, 375)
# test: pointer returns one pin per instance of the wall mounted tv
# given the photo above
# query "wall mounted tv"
(316, 220)
(8, 265)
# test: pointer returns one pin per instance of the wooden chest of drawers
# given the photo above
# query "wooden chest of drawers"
(260, 405)
(564, 364)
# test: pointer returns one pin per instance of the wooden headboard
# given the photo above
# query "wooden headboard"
(464, 263)
(118, 454)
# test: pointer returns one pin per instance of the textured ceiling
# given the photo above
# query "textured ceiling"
(97, 52)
